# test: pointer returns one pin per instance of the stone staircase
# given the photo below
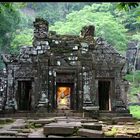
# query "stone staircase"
(41, 115)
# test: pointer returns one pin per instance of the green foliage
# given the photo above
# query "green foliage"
(136, 75)
(22, 38)
(10, 18)
(127, 6)
(135, 111)
(106, 25)
(46, 10)
(130, 18)
(134, 85)
(129, 77)
(136, 36)
(110, 133)
(69, 18)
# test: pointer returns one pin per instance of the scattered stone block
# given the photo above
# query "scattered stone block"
(75, 137)
(58, 130)
(93, 126)
(42, 121)
(88, 120)
(115, 120)
(37, 134)
(18, 126)
(122, 136)
(133, 132)
(7, 133)
(25, 130)
(2, 120)
(9, 120)
(8, 137)
(66, 124)
(55, 136)
(129, 123)
(25, 135)
(38, 125)
(90, 133)
(121, 123)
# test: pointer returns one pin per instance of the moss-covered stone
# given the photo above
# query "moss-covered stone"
(111, 133)
(38, 125)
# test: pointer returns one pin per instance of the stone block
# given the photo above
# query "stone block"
(93, 126)
(88, 120)
(122, 136)
(24, 135)
(115, 120)
(90, 133)
(42, 121)
(18, 126)
(58, 130)
(55, 136)
(7, 133)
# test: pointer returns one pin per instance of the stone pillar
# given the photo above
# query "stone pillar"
(41, 28)
(88, 31)
(80, 92)
(41, 40)
(10, 92)
(119, 104)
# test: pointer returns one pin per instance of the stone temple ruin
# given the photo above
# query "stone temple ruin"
(65, 72)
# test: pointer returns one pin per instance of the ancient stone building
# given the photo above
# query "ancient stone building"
(66, 72)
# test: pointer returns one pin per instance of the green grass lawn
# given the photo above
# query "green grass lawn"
(135, 111)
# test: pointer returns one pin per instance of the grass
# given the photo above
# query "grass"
(135, 111)
(111, 133)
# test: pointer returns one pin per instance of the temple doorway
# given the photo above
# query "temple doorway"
(24, 95)
(103, 95)
(64, 96)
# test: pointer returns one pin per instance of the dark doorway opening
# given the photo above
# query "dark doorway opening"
(24, 95)
(103, 94)
(64, 96)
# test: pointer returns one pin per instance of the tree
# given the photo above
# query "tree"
(127, 5)
(22, 38)
(10, 18)
(105, 24)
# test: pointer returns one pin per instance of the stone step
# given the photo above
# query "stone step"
(6, 120)
(116, 120)
(66, 124)
(8, 132)
(42, 121)
(122, 136)
(18, 126)
(8, 137)
(93, 126)
(54, 136)
(89, 120)
(58, 130)
(90, 133)
(114, 114)
(24, 135)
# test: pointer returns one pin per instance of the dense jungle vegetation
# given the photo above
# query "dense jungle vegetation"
(117, 23)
